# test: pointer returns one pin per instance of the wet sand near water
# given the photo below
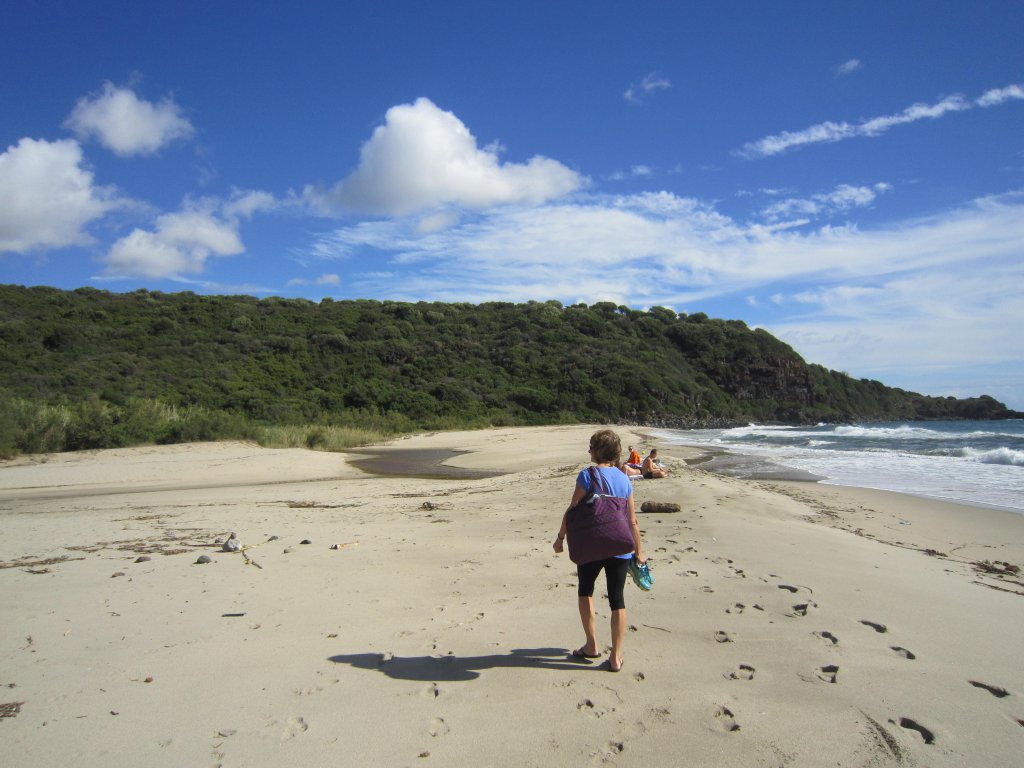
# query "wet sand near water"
(428, 463)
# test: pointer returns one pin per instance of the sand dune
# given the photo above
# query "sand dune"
(790, 623)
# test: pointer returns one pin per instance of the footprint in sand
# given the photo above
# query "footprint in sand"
(721, 636)
(737, 608)
(431, 691)
(900, 651)
(438, 727)
(826, 635)
(880, 628)
(828, 673)
(801, 609)
(588, 706)
(927, 735)
(295, 727)
(788, 587)
(726, 720)
(999, 693)
(742, 672)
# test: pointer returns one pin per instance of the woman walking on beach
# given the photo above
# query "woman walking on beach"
(605, 450)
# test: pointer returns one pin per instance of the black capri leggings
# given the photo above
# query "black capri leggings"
(615, 569)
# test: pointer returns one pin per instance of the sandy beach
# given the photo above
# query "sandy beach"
(396, 620)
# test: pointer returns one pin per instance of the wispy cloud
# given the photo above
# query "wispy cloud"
(999, 95)
(830, 132)
(651, 83)
(847, 67)
(842, 198)
(673, 250)
(636, 171)
(328, 279)
(909, 323)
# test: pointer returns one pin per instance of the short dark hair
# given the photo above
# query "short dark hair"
(605, 446)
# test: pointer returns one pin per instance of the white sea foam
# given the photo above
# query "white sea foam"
(970, 462)
(898, 433)
(996, 456)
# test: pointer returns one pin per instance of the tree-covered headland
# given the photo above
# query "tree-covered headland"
(89, 368)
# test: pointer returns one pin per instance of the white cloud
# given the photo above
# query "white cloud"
(848, 67)
(246, 203)
(651, 83)
(879, 125)
(845, 196)
(826, 132)
(181, 242)
(830, 132)
(424, 158)
(910, 324)
(324, 279)
(999, 95)
(791, 206)
(842, 198)
(126, 124)
(437, 221)
(47, 197)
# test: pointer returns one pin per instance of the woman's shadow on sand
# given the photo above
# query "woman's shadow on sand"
(459, 668)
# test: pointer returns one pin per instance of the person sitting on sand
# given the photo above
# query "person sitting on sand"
(605, 449)
(630, 470)
(634, 457)
(651, 468)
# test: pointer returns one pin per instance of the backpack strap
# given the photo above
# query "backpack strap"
(597, 482)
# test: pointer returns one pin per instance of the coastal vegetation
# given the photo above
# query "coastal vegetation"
(93, 369)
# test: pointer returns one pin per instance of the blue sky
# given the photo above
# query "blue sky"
(847, 175)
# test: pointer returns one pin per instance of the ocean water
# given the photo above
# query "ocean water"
(973, 462)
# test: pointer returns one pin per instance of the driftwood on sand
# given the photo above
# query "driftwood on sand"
(660, 506)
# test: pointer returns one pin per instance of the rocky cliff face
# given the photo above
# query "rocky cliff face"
(783, 380)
